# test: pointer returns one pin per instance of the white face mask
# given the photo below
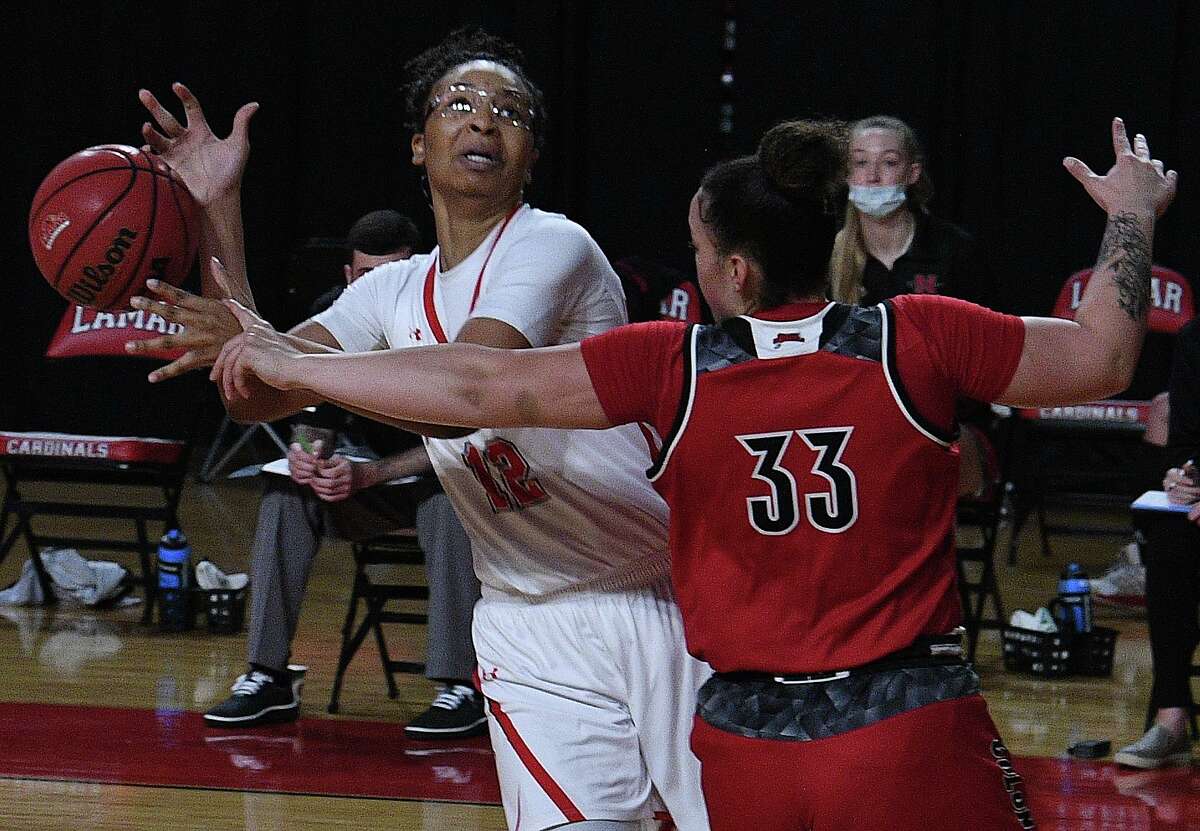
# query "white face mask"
(877, 201)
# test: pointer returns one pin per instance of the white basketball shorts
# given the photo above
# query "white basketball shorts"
(590, 699)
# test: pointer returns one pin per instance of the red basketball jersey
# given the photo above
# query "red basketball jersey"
(810, 466)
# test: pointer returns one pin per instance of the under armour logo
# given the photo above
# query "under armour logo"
(492, 674)
(414, 334)
(787, 337)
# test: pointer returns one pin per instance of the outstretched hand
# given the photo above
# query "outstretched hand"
(1135, 182)
(209, 166)
(259, 352)
(207, 324)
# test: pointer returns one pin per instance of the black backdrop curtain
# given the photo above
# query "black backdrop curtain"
(998, 91)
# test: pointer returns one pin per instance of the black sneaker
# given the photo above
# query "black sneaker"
(456, 713)
(257, 699)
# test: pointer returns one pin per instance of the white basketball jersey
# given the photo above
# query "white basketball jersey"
(546, 510)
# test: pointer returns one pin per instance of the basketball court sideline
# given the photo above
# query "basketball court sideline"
(100, 717)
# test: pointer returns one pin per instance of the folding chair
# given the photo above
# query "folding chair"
(95, 394)
(74, 460)
(240, 434)
(395, 549)
(1079, 456)
(979, 517)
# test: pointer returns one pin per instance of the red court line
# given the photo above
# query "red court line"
(1072, 795)
(174, 748)
(373, 759)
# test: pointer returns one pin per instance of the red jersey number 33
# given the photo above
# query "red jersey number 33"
(832, 510)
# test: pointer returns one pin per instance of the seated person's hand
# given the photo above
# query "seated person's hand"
(1194, 513)
(1183, 488)
(302, 465)
(338, 478)
(1180, 485)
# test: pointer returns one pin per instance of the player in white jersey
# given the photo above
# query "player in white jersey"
(590, 693)
(595, 518)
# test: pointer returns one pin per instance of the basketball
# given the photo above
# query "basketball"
(107, 219)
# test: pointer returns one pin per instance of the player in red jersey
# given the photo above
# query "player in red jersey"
(809, 461)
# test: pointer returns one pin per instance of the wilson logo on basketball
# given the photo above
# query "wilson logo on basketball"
(52, 226)
(96, 277)
(101, 216)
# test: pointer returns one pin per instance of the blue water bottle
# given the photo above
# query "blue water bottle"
(1072, 608)
(174, 582)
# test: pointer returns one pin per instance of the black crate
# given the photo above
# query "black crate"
(176, 609)
(1044, 654)
(1092, 652)
(224, 609)
(1055, 654)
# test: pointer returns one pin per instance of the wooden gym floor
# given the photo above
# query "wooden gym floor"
(100, 726)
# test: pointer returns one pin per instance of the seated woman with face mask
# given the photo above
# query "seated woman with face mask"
(890, 244)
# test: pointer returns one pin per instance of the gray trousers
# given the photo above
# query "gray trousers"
(291, 522)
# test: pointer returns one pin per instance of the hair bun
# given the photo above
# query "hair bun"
(805, 159)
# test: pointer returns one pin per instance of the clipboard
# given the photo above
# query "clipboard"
(1157, 501)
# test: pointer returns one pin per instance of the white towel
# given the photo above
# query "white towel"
(1039, 621)
(74, 578)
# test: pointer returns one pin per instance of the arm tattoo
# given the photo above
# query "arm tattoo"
(1128, 247)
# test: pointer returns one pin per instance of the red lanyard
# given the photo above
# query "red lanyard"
(435, 324)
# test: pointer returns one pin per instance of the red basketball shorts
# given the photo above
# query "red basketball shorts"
(938, 767)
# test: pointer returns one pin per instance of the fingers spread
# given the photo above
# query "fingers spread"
(160, 344)
(155, 140)
(1082, 173)
(175, 295)
(167, 311)
(161, 114)
(241, 121)
(191, 107)
(1141, 148)
(185, 363)
(1120, 137)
